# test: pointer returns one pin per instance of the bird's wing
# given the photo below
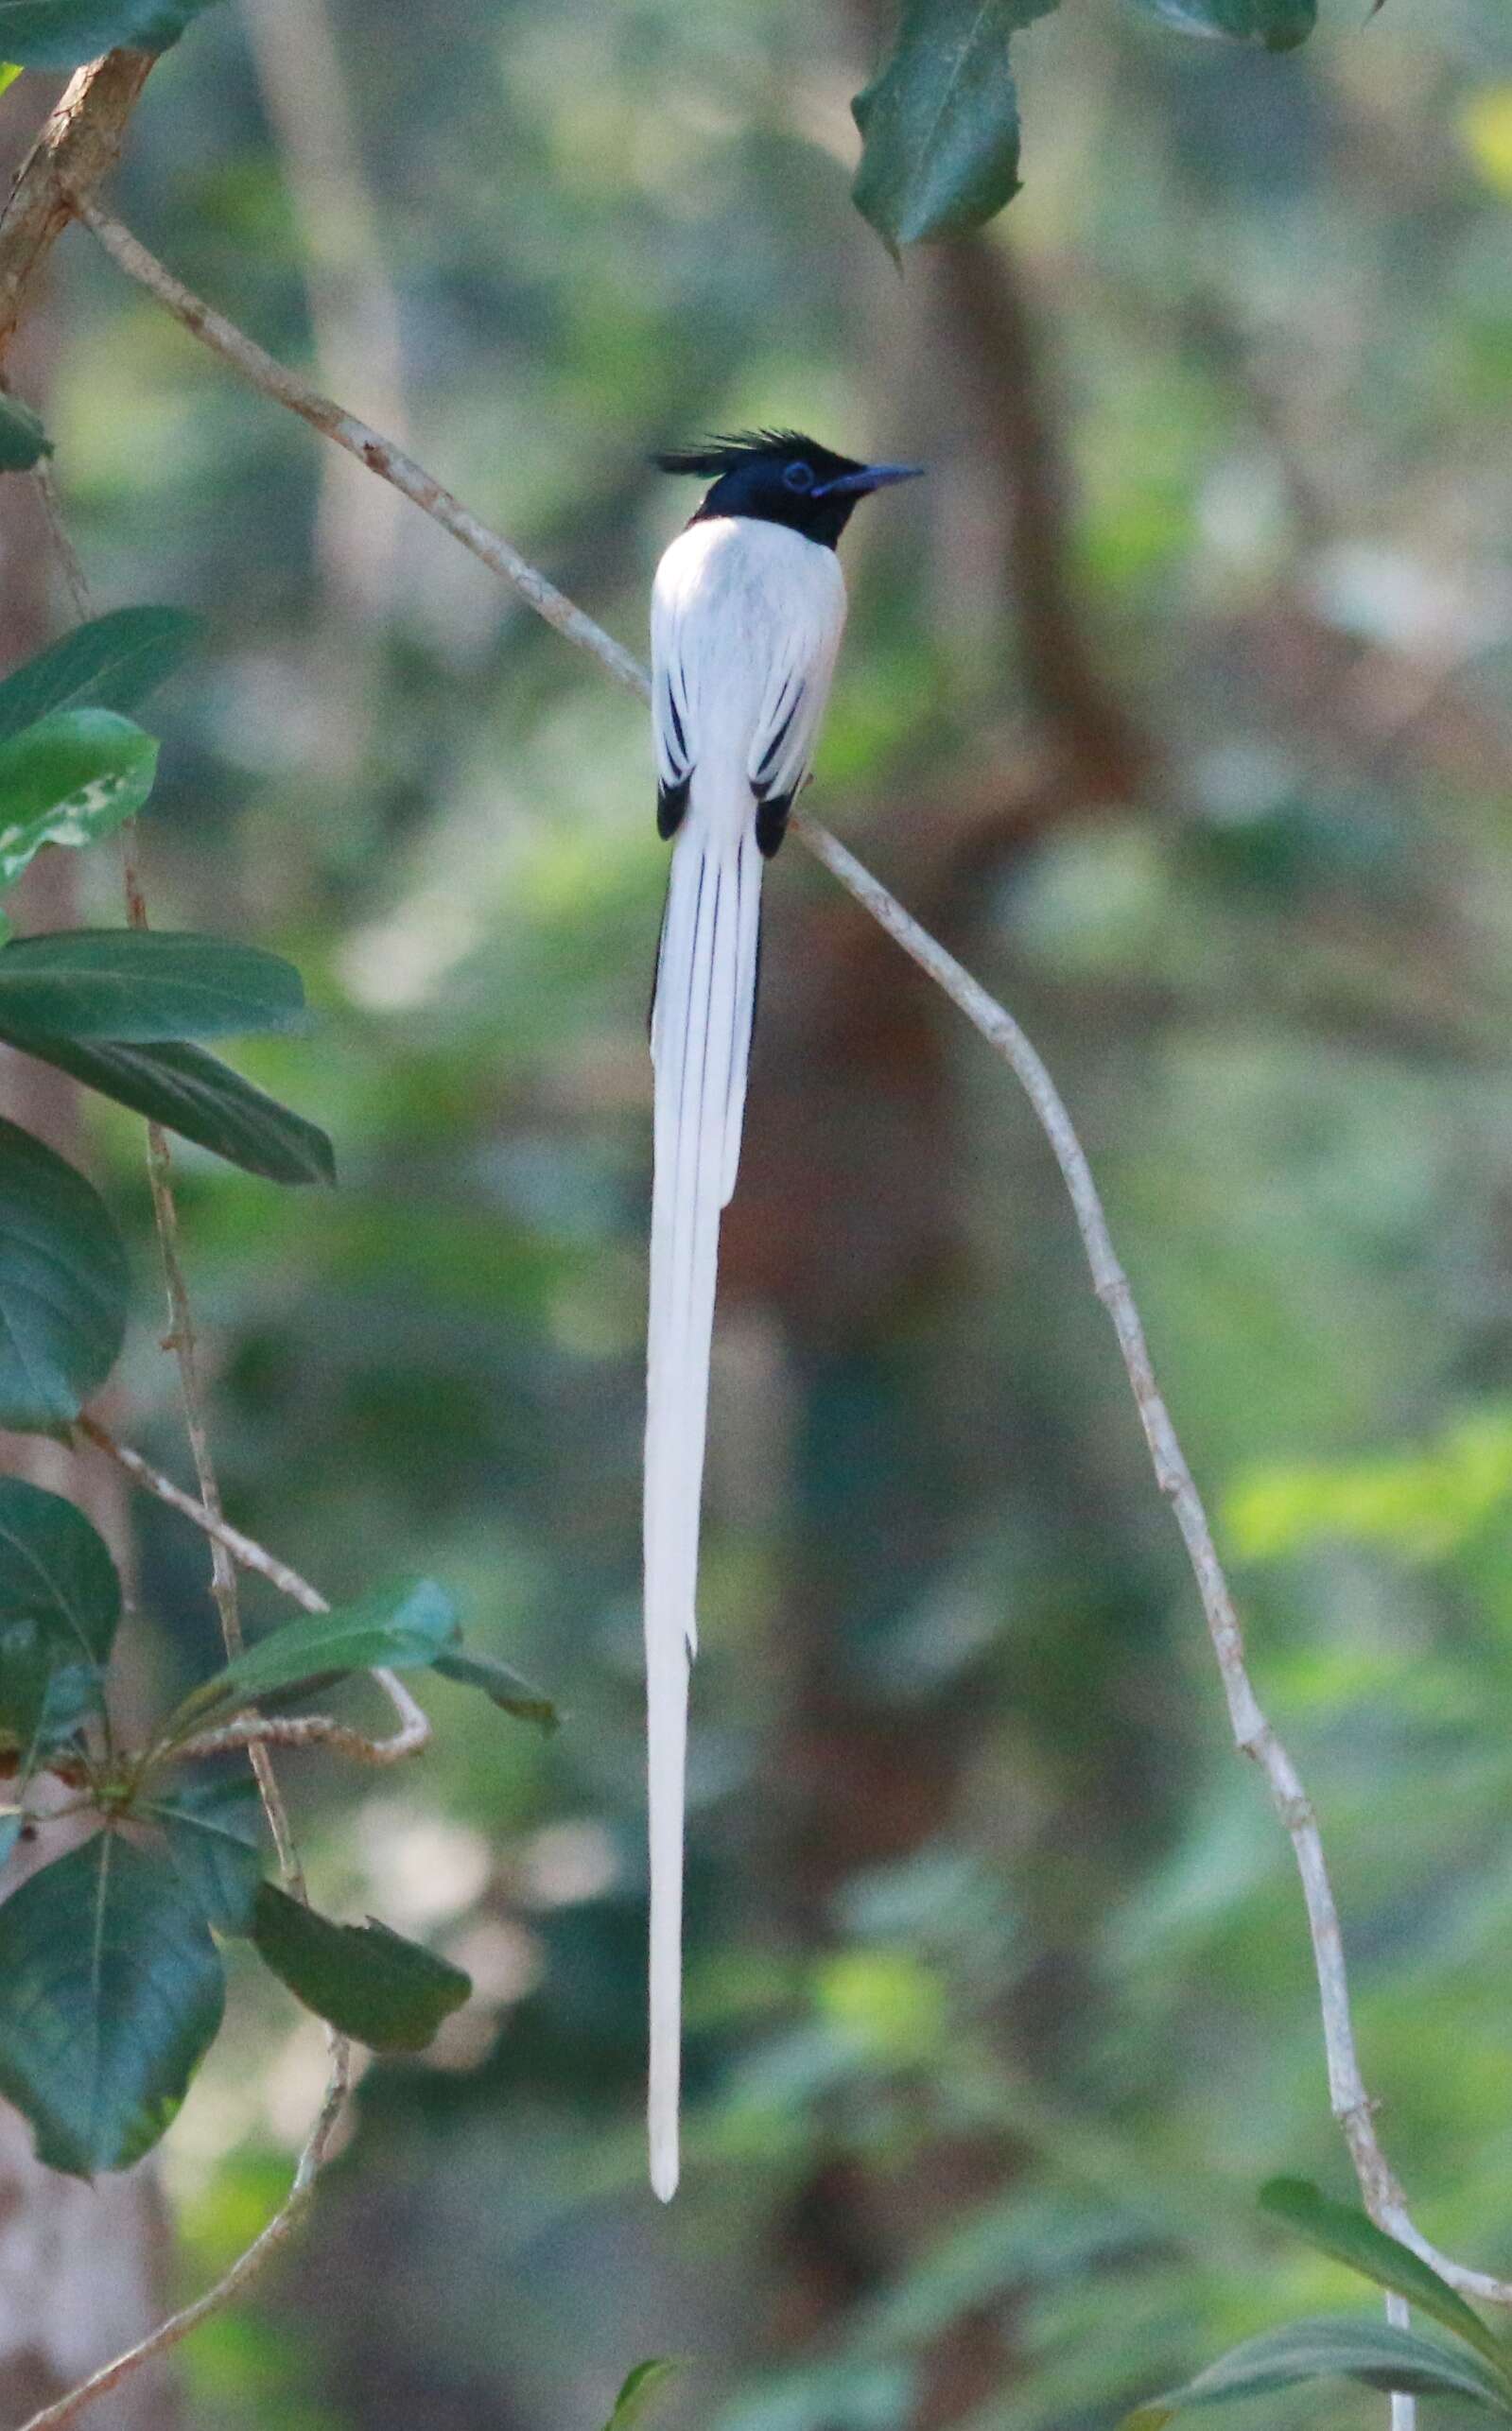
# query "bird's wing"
(787, 727)
(787, 731)
(671, 720)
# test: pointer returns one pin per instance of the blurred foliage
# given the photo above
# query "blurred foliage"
(987, 2061)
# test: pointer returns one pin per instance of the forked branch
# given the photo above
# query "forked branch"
(78, 147)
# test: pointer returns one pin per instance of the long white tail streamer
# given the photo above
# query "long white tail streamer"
(701, 1044)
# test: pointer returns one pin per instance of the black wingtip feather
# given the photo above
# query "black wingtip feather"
(771, 823)
(671, 802)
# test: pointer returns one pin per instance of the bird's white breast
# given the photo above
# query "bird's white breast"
(739, 606)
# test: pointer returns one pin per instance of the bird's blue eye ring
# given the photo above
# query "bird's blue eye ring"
(798, 477)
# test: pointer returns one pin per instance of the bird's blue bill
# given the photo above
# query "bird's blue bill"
(868, 476)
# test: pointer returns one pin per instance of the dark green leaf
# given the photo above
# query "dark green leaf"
(22, 439)
(1329, 2349)
(59, 1604)
(111, 662)
(1280, 25)
(214, 1834)
(505, 1689)
(362, 1979)
(70, 778)
(140, 985)
(63, 1287)
(202, 1098)
(940, 124)
(1342, 2230)
(111, 1993)
(397, 1627)
(640, 2389)
(65, 33)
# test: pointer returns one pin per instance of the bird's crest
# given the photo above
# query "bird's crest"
(727, 450)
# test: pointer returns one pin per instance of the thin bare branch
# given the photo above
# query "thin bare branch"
(78, 146)
(320, 1730)
(243, 2270)
(63, 547)
(295, 1731)
(1253, 1733)
(379, 454)
(242, 1549)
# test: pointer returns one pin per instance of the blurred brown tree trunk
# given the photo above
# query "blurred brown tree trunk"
(80, 2266)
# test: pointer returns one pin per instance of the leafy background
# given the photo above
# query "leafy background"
(1178, 698)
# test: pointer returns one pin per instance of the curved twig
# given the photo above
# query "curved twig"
(319, 1730)
(244, 2269)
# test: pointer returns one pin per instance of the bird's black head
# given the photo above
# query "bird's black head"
(781, 477)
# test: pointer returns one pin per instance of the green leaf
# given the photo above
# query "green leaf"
(1329, 2349)
(1280, 25)
(59, 1604)
(63, 1287)
(398, 1627)
(22, 439)
(111, 1994)
(640, 2389)
(111, 662)
(1422, 1504)
(69, 779)
(501, 1686)
(1342, 2230)
(202, 1098)
(65, 33)
(141, 984)
(940, 124)
(362, 1978)
(8, 75)
(212, 1831)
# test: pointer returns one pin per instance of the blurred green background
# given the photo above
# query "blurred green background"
(1177, 700)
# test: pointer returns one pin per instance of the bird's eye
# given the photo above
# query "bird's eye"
(798, 477)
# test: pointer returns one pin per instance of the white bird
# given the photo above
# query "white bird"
(747, 612)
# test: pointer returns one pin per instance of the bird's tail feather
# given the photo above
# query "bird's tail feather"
(701, 1044)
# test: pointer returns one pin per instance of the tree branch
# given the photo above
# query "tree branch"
(293, 1731)
(243, 2270)
(1253, 1733)
(378, 454)
(244, 1549)
(78, 146)
(253, 1730)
